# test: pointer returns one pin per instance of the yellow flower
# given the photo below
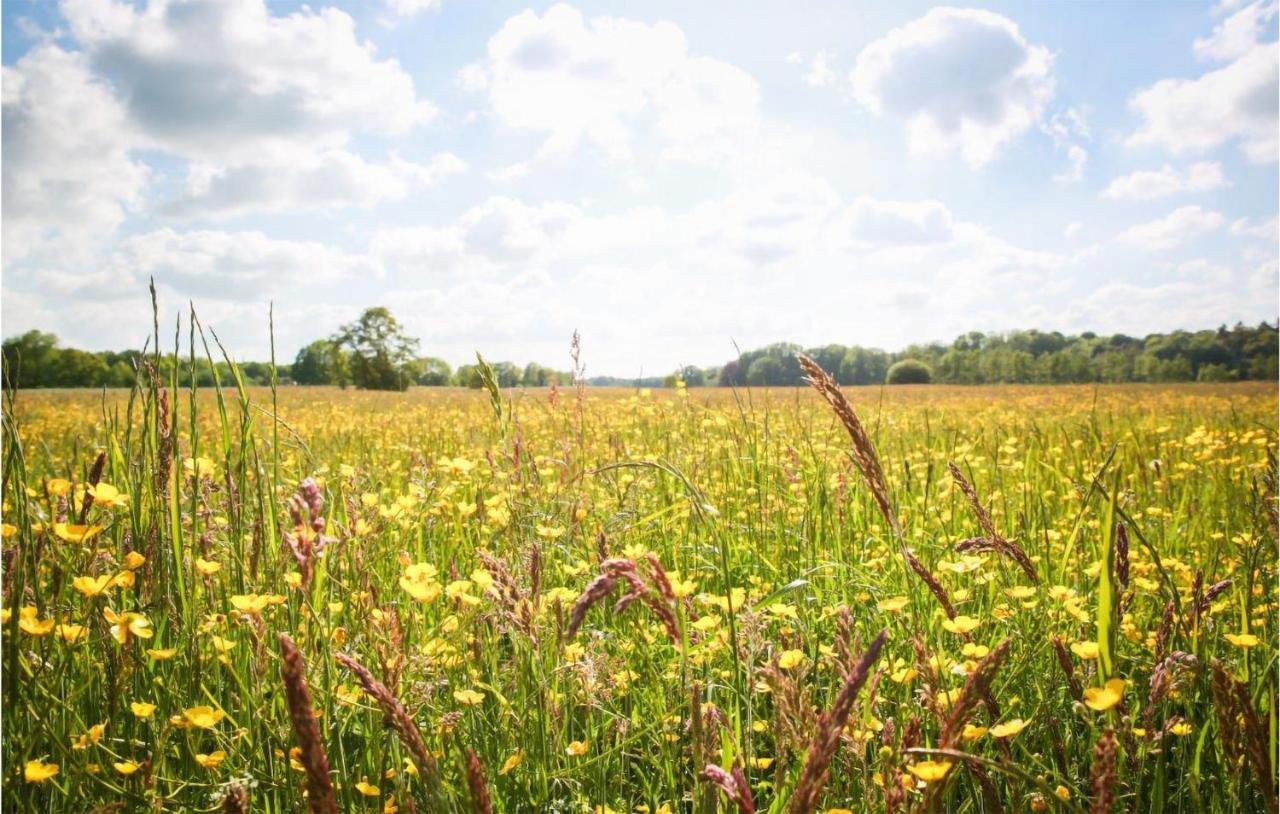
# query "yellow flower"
(72, 533)
(1008, 729)
(961, 624)
(8, 530)
(125, 626)
(92, 586)
(468, 698)
(203, 717)
(1062, 793)
(1085, 650)
(577, 748)
(366, 788)
(254, 603)
(419, 581)
(931, 771)
(199, 467)
(211, 761)
(57, 487)
(142, 709)
(1244, 640)
(790, 659)
(37, 771)
(207, 567)
(91, 738)
(1104, 698)
(761, 763)
(72, 633)
(511, 762)
(133, 560)
(893, 604)
(972, 733)
(1181, 729)
(163, 654)
(126, 767)
(104, 494)
(31, 624)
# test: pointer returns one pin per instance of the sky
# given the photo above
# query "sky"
(670, 179)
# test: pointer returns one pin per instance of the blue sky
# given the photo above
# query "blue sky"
(667, 178)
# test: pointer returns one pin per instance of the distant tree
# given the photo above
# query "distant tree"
(27, 359)
(316, 363)
(1215, 373)
(909, 371)
(765, 371)
(433, 372)
(380, 350)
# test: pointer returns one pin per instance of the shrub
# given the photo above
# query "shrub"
(909, 371)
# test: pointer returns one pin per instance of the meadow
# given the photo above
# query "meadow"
(686, 600)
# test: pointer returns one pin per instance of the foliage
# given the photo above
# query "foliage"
(379, 350)
(909, 371)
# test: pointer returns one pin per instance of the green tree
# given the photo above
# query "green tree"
(909, 371)
(380, 351)
(433, 372)
(317, 363)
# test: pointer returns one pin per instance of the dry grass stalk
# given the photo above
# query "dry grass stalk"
(95, 475)
(1068, 668)
(813, 778)
(1242, 732)
(399, 720)
(864, 452)
(934, 586)
(1102, 774)
(993, 541)
(320, 797)
(733, 783)
(481, 802)
(976, 687)
(236, 800)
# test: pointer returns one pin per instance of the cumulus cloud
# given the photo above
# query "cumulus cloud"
(68, 173)
(1146, 185)
(1235, 103)
(899, 223)
(409, 8)
(1238, 34)
(226, 80)
(608, 81)
(215, 265)
(1263, 229)
(1078, 157)
(821, 73)
(961, 78)
(329, 179)
(1179, 226)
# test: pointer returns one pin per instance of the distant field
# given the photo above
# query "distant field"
(622, 600)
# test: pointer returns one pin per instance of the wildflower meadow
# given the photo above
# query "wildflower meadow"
(570, 599)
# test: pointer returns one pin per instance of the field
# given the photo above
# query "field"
(666, 601)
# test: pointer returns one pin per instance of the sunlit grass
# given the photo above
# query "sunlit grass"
(140, 654)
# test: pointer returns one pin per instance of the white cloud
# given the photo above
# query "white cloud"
(1078, 157)
(1237, 102)
(1146, 185)
(820, 73)
(1237, 35)
(962, 78)
(229, 81)
(1072, 230)
(610, 81)
(68, 174)
(409, 8)
(217, 265)
(1171, 231)
(330, 179)
(899, 223)
(1264, 229)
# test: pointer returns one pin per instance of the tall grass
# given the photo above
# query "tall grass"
(585, 600)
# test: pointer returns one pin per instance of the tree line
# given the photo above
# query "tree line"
(375, 353)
